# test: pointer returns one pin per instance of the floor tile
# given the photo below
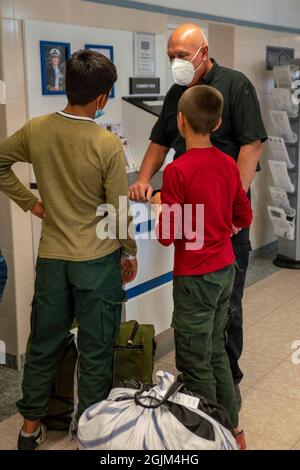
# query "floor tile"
(255, 366)
(257, 442)
(9, 431)
(283, 380)
(272, 415)
(169, 358)
(296, 446)
(288, 314)
(56, 440)
(271, 337)
(244, 390)
(263, 298)
(73, 445)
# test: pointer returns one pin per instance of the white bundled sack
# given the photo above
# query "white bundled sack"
(133, 420)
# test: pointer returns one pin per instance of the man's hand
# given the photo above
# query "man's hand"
(140, 191)
(235, 230)
(129, 269)
(39, 210)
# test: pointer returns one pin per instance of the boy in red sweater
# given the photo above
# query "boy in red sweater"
(203, 202)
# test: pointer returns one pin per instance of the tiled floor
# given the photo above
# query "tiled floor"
(271, 389)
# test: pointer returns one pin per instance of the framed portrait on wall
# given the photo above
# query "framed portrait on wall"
(53, 66)
(108, 51)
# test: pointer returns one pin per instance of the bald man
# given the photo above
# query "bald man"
(241, 136)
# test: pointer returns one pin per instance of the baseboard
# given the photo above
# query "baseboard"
(11, 362)
(267, 249)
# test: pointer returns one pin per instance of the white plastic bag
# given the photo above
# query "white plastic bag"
(128, 420)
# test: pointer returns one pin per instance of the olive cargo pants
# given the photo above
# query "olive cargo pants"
(92, 292)
(200, 320)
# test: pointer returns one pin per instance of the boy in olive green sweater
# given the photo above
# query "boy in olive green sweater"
(78, 167)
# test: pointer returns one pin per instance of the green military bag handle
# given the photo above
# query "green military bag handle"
(134, 353)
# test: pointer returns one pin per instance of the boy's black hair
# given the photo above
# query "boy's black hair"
(88, 74)
(202, 106)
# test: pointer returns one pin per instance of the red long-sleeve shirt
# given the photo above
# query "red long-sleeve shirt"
(202, 182)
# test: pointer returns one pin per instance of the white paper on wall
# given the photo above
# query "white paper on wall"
(282, 75)
(280, 200)
(279, 151)
(116, 128)
(2, 92)
(282, 126)
(282, 100)
(280, 176)
(283, 227)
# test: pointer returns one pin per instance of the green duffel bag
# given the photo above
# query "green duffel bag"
(134, 353)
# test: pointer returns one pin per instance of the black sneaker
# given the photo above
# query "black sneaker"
(32, 442)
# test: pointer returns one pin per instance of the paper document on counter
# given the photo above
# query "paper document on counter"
(280, 199)
(280, 176)
(279, 151)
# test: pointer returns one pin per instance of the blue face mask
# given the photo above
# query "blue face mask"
(99, 114)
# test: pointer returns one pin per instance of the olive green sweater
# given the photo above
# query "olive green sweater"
(78, 167)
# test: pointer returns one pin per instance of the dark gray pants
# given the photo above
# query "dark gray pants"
(234, 348)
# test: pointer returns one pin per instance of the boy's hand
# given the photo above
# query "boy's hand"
(39, 210)
(156, 199)
(129, 269)
(156, 205)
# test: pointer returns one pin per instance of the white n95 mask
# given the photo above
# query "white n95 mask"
(183, 70)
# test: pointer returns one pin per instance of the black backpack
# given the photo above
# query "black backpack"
(61, 402)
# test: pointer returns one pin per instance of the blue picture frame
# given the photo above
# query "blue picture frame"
(64, 48)
(108, 51)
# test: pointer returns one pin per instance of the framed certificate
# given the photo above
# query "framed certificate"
(144, 55)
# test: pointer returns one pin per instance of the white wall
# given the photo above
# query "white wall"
(78, 36)
(274, 12)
